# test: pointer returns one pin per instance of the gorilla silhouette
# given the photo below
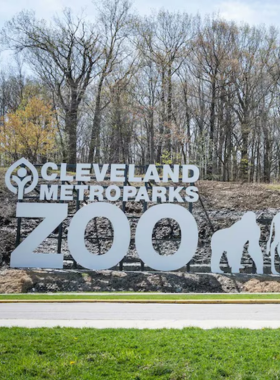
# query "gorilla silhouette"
(232, 241)
(271, 247)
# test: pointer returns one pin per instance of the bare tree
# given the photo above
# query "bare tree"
(114, 25)
(63, 54)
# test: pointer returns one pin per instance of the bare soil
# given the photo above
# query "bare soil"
(239, 196)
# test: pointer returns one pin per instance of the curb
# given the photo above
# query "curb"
(187, 302)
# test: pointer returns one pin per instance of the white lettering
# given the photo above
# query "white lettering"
(131, 174)
(23, 256)
(83, 172)
(194, 176)
(111, 197)
(76, 233)
(169, 173)
(116, 171)
(151, 174)
(44, 171)
(142, 195)
(81, 191)
(174, 194)
(159, 192)
(48, 192)
(96, 191)
(63, 173)
(144, 232)
(192, 194)
(129, 192)
(100, 175)
(66, 192)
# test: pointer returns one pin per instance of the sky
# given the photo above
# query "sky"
(253, 12)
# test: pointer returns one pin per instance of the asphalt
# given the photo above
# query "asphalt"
(107, 315)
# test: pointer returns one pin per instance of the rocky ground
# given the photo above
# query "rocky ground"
(222, 205)
(42, 281)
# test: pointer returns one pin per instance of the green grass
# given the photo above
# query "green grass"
(273, 186)
(90, 354)
(140, 296)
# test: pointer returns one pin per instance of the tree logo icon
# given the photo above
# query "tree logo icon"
(22, 178)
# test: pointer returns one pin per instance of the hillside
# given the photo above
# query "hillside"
(222, 205)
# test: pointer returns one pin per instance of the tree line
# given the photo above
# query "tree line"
(166, 88)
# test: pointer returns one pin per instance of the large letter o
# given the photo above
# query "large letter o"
(189, 239)
(121, 241)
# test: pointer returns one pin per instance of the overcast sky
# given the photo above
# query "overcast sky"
(251, 11)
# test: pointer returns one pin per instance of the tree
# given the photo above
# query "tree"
(114, 27)
(64, 54)
(164, 41)
(167, 87)
(29, 132)
(212, 52)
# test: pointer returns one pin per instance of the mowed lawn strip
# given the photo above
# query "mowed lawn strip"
(142, 296)
(128, 354)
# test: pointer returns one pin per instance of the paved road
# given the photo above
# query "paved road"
(105, 315)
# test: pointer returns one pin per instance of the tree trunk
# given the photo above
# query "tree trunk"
(94, 150)
(169, 110)
(266, 159)
(188, 121)
(162, 116)
(244, 151)
(71, 128)
(152, 138)
(212, 128)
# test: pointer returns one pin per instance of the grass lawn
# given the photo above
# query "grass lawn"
(79, 354)
(140, 296)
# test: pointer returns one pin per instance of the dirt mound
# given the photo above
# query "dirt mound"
(14, 281)
(262, 286)
(239, 196)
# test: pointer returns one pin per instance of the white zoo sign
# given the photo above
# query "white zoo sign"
(22, 178)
